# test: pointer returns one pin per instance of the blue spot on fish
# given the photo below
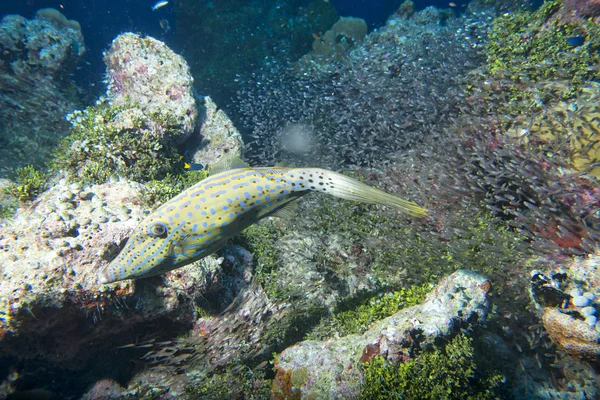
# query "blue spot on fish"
(190, 214)
(225, 208)
(203, 213)
(205, 224)
(231, 215)
(215, 194)
(197, 207)
(247, 195)
(212, 211)
(194, 228)
(576, 41)
(184, 205)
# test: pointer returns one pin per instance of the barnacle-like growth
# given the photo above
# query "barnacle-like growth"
(107, 140)
(451, 372)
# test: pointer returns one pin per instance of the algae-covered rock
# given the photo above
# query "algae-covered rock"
(144, 72)
(331, 369)
(135, 130)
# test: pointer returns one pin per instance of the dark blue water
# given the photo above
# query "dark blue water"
(102, 20)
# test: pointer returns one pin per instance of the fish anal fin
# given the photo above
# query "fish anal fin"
(226, 162)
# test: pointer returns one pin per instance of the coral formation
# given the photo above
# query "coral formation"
(36, 92)
(345, 34)
(330, 369)
(217, 135)
(567, 300)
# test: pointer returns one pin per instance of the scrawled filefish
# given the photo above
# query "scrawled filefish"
(200, 220)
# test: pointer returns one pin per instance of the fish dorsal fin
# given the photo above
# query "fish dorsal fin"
(287, 212)
(226, 162)
(282, 164)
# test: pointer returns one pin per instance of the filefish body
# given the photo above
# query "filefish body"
(200, 220)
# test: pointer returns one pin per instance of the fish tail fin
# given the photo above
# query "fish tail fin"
(351, 189)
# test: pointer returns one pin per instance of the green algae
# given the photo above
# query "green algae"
(449, 372)
(29, 183)
(160, 190)
(107, 140)
(357, 315)
(528, 49)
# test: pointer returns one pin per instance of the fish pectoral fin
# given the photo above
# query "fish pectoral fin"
(226, 162)
(287, 212)
(179, 249)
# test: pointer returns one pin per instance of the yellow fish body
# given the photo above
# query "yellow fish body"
(200, 220)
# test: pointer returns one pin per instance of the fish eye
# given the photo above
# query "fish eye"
(157, 229)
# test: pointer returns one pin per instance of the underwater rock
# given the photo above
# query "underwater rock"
(51, 255)
(583, 8)
(143, 71)
(47, 45)
(217, 135)
(567, 299)
(314, 369)
(575, 336)
(37, 57)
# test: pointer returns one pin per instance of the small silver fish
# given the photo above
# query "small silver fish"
(199, 221)
(159, 5)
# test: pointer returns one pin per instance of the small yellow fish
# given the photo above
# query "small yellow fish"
(200, 220)
(159, 5)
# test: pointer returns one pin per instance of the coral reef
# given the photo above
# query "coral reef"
(48, 45)
(330, 369)
(567, 299)
(36, 92)
(52, 252)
